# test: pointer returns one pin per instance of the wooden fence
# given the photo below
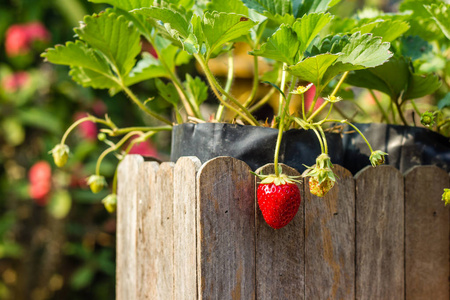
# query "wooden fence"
(192, 231)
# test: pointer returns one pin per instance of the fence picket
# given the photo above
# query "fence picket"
(127, 227)
(330, 240)
(379, 233)
(146, 281)
(226, 230)
(426, 234)
(280, 254)
(184, 228)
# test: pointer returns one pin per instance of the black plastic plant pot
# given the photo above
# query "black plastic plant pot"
(407, 146)
(251, 144)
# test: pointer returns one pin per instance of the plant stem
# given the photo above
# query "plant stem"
(317, 111)
(122, 131)
(192, 108)
(357, 130)
(263, 100)
(400, 113)
(325, 144)
(282, 113)
(255, 82)
(322, 149)
(143, 107)
(332, 94)
(282, 87)
(217, 88)
(383, 112)
(416, 109)
(303, 106)
(72, 127)
(230, 77)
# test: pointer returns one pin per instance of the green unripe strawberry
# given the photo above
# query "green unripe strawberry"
(96, 183)
(110, 202)
(446, 196)
(320, 189)
(427, 118)
(321, 176)
(60, 154)
(377, 158)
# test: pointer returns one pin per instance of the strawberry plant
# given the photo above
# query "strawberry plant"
(138, 43)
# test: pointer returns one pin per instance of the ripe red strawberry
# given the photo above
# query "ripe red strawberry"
(278, 200)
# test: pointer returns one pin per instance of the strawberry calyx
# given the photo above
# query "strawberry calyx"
(281, 179)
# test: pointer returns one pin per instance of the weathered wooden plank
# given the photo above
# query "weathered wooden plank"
(426, 234)
(280, 254)
(226, 230)
(330, 240)
(162, 244)
(146, 282)
(379, 233)
(126, 272)
(184, 228)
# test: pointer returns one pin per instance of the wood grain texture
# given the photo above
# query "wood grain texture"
(426, 234)
(330, 240)
(126, 272)
(280, 254)
(184, 228)
(162, 245)
(379, 233)
(146, 282)
(226, 230)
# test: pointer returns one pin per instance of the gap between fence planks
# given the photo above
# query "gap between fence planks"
(191, 232)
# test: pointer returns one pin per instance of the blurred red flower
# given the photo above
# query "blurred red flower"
(20, 37)
(15, 81)
(145, 148)
(87, 129)
(40, 177)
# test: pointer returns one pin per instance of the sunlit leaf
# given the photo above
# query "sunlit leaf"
(221, 28)
(196, 89)
(312, 69)
(115, 37)
(281, 46)
(309, 26)
(441, 14)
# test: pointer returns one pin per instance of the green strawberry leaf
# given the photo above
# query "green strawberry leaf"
(88, 78)
(309, 26)
(312, 69)
(125, 4)
(176, 26)
(365, 50)
(390, 78)
(362, 51)
(421, 85)
(444, 102)
(148, 67)
(196, 89)
(229, 6)
(167, 91)
(237, 7)
(389, 30)
(274, 7)
(220, 28)
(316, 6)
(281, 46)
(415, 47)
(115, 37)
(441, 14)
(88, 67)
